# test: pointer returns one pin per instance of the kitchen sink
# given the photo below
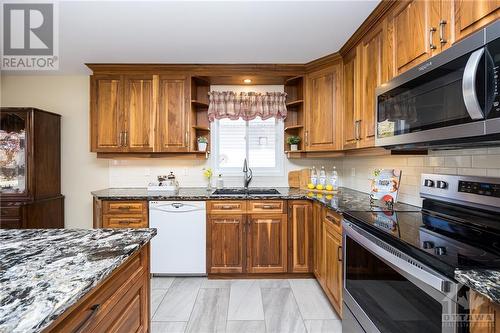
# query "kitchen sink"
(242, 191)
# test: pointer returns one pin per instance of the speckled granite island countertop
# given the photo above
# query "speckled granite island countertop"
(345, 200)
(484, 281)
(43, 272)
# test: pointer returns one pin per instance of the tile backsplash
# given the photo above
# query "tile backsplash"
(356, 171)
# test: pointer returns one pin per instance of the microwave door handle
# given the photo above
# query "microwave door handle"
(469, 85)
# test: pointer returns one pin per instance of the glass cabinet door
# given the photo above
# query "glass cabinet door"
(13, 152)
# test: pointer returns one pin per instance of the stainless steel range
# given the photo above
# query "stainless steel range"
(399, 273)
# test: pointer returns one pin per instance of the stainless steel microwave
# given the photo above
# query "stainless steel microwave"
(450, 100)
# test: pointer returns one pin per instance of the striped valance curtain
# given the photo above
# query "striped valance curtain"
(248, 106)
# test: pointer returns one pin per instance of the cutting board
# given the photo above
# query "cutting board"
(298, 178)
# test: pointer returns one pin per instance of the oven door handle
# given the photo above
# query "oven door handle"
(397, 259)
(469, 85)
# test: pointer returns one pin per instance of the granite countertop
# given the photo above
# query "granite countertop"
(484, 281)
(345, 200)
(43, 272)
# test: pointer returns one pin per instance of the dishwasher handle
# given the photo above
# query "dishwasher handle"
(176, 207)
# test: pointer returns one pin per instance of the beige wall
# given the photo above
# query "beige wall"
(81, 171)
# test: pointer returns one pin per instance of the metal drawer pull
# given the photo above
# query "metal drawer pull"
(442, 23)
(339, 253)
(228, 207)
(332, 219)
(124, 222)
(431, 34)
(84, 325)
(269, 206)
(226, 221)
(124, 207)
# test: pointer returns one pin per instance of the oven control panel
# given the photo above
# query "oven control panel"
(479, 191)
(488, 189)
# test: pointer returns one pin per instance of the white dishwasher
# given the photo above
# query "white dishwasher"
(179, 247)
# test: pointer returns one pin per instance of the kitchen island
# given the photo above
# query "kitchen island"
(62, 280)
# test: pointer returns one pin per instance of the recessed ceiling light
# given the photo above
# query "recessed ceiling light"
(247, 81)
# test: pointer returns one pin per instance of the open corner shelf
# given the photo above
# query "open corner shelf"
(201, 128)
(293, 127)
(294, 103)
(201, 105)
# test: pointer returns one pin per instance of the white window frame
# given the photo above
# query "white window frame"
(278, 170)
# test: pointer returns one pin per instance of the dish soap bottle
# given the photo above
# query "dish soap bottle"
(334, 178)
(322, 176)
(314, 176)
(220, 182)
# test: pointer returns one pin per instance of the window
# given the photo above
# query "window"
(259, 141)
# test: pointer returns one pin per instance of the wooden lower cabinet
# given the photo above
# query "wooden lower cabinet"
(226, 243)
(267, 243)
(300, 236)
(489, 312)
(120, 214)
(328, 254)
(119, 304)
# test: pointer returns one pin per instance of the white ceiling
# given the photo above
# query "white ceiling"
(204, 32)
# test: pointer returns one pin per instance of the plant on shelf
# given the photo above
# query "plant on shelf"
(202, 143)
(293, 141)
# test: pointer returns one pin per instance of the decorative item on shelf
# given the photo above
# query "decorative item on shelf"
(207, 172)
(385, 185)
(293, 141)
(202, 143)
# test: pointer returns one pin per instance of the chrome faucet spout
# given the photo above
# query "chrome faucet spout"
(247, 174)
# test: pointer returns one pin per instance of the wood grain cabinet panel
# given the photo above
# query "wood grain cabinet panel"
(415, 32)
(317, 216)
(267, 243)
(226, 207)
(173, 134)
(332, 251)
(139, 113)
(473, 15)
(300, 240)
(266, 206)
(120, 214)
(324, 107)
(351, 96)
(226, 243)
(480, 306)
(106, 113)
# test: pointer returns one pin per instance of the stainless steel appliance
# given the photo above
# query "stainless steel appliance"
(399, 273)
(451, 100)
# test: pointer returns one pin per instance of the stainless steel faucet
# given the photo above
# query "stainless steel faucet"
(246, 177)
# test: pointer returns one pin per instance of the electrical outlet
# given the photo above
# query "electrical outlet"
(353, 172)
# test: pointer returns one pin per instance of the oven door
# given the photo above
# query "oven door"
(440, 100)
(386, 291)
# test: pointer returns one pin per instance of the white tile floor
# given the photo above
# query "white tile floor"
(191, 304)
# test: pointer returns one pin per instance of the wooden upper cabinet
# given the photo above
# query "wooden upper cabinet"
(351, 99)
(324, 109)
(139, 113)
(106, 113)
(267, 243)
(173, 133)
(473, 15)
(415, 26)
(301, 242)
(371, 78)
(226, 243)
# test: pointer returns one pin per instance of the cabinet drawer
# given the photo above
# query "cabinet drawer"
(124, 221)
(226, 206)
(266, 206)
(99, 309)
(334, 219)
(10, 223)
(10, 212)
(124, 207)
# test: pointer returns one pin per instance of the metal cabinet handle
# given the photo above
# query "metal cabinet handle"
(307, 138)
(124, 222)
(124, 207)
(332, 219)
(431, 35)
(357, 130)
(186, 139)
(120, 139)
(84, 325)
(442, 23)
(269, 207)
(125, 139)
(339, 253)
(227, 207)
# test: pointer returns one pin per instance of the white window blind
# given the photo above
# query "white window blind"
(260, 141)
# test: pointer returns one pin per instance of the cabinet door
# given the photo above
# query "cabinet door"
(351, 97)
(140, 113)
(301, 258)
(173, 135)
(267, 243)
(371, 78)
(473, 15)
(318, 242)
(415, 32)
(322, 123)
(106, 101)
(333, 265)
(225, 243)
